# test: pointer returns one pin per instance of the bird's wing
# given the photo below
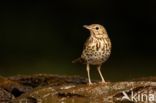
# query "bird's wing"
(80, 59)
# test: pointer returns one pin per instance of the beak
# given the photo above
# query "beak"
(87, 27)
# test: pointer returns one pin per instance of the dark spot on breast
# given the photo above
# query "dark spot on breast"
(93, 47)
(98, 46)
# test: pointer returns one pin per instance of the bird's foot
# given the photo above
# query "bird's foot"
(90, 83)
(103, 82)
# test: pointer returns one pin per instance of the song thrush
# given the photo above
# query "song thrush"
(96, 50)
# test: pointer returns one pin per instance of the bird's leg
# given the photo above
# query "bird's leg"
(88, 71)
(99, 70)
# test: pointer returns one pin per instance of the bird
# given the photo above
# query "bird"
(96, 50)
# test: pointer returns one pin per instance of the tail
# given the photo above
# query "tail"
(78, 60)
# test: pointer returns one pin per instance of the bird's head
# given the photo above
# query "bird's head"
(97, 30)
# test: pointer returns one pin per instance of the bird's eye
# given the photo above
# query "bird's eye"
(97, 28)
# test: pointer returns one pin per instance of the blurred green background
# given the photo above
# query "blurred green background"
(44, 37)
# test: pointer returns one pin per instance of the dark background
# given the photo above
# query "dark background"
(44, 37)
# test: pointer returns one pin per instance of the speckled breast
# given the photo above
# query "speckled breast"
(97, 52)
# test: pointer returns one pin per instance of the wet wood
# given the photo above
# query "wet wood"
(45, 88)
